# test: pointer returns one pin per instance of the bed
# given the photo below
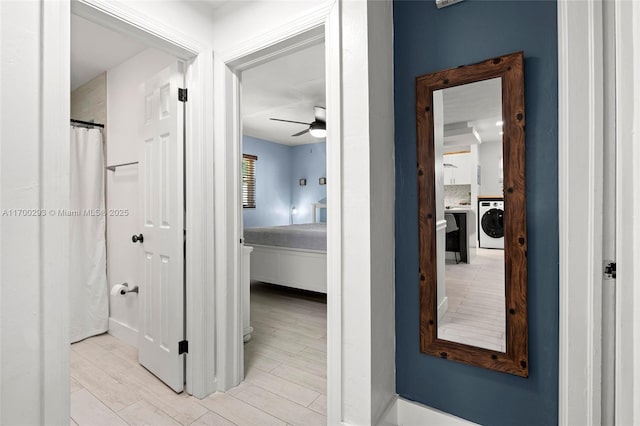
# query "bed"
(292, 255)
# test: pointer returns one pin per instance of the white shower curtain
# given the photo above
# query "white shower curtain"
(88, 276)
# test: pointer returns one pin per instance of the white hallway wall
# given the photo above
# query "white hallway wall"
(34, 270)
(381, 143)
(490, 154)
(36, 380)
(125, 111)
(20, 188)
(89, 101)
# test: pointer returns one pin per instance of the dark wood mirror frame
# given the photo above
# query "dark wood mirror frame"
(515, 359)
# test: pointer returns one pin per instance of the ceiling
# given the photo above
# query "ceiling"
(96, 49)
(479, 104)
(288, 88)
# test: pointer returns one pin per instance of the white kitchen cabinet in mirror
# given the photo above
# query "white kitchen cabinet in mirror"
(457, 168)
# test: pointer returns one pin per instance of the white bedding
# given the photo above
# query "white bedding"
(307, 236)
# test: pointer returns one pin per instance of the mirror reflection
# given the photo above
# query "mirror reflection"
(469, 210)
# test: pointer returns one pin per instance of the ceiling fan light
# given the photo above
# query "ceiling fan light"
(318, 133)
(318, 129)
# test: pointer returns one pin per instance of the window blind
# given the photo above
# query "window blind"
(249, 181)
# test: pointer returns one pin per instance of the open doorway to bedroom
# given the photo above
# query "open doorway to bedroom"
(284, 218)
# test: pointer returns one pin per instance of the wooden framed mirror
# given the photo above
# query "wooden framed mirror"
(472, 214)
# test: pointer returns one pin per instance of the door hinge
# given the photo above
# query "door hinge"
(182, 95)
(609, 269)
(183, 347)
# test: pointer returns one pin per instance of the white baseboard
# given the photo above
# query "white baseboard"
(442, 307)
(390, 415)
(409, 413)
(123, 332)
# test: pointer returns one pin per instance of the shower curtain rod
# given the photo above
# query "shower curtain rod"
(87, 123)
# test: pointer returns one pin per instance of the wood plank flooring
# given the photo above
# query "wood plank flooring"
(285, 374)
(476, 314)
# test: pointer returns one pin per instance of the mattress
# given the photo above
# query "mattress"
(309, 236)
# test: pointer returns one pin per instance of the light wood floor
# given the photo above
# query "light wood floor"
(285, 369)
(476, 314)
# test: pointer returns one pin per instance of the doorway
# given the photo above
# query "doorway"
(283, 205)
(127, 191)
(229, 70)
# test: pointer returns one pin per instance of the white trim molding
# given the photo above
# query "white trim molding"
(123, 331)
(580, 150)
(409, 413)
(333, 71)
(118, 16)
(203, 332)
(227, 247)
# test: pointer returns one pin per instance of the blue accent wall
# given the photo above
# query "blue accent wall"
(273, 183)
(278, 171)
(428, 39)
(308, 162)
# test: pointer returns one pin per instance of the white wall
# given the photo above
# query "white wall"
(439, 173)
(125, 115)
(472, 219)
(34, 174)
(490, 154)
(368, 361)
(89, 101)
(226, 25)
(20, 363)
(240, 21)
(382, 187)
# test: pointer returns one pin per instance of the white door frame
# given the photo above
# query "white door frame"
(580, 152)
(321, 23)
(581, 131)
(200, 374)
(627, 101)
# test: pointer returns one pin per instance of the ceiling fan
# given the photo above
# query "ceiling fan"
(317, 128)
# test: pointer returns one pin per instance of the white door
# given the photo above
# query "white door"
(161, 297)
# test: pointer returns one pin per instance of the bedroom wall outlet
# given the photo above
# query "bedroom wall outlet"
(303, 182)
(322, 181)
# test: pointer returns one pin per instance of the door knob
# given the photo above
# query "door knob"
(137, 238)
